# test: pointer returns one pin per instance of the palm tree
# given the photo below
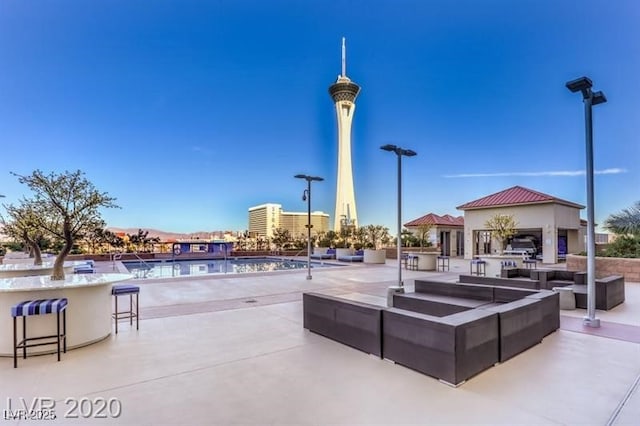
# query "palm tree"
(627, 222)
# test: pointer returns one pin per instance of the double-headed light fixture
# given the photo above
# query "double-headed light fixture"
(590, 98)
(400, 152)
(306, 196)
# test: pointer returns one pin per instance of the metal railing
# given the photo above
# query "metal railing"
(118, 256)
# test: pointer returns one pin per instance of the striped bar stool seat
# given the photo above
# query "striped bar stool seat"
(508, 264)
(39, 307)
(123, 290)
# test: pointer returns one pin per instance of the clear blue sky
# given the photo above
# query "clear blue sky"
(189, 112)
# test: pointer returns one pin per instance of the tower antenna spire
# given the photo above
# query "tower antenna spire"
(344, 58)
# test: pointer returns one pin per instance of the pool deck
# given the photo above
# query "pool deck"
(232, 350)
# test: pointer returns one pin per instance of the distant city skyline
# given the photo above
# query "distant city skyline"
(189, 112)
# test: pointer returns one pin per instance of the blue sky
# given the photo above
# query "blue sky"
(189, 112)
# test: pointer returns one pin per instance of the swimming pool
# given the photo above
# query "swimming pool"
(180, 268)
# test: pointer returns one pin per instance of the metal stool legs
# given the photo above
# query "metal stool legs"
(130, 314)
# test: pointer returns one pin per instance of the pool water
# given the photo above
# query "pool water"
(179, 268)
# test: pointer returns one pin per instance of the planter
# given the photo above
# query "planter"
(375, 256)
(320, 250)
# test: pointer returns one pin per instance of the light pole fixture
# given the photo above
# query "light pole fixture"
(399, 153)
(306, 196)
(590, 98)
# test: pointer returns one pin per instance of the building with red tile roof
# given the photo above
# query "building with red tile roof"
(515, 196)
(446, 232)
(551, 223)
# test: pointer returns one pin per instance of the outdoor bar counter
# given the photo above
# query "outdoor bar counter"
(88, 311)
(494, 263)
(12, 270)
(426, 261)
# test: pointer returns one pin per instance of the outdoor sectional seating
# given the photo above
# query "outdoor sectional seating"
(446, 330)
(525, 316)
(523, 282)
(609, 290)
(358, 256)
(353, 323)
(330, 254)
(451, 348)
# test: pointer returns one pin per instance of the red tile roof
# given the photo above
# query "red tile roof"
(516, 195)
(434, 219)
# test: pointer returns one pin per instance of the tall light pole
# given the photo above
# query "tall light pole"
(590, 98)
(306, 195)
(399, 153)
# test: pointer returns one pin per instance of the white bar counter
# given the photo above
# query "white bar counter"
(12, 270)
(88, 311)
(426, 261)
(494, 263)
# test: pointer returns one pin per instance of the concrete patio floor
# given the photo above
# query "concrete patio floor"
(232, 350)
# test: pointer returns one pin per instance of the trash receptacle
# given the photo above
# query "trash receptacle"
(567, 298)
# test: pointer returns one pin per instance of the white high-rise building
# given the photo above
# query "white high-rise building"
(266, 218)
(344, 93)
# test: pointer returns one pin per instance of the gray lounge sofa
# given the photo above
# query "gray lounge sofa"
(525, 316)
(610, 290)
(353, 323)
(446, 330)
(452, 348)
(519, 282)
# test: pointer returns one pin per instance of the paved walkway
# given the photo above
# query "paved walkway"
(230, 350)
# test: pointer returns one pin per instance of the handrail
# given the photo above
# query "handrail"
(118, 256)
(141, 260)
(114, 257)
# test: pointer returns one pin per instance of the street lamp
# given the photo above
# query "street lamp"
(306, 196)
(590, 98)
(407, 153)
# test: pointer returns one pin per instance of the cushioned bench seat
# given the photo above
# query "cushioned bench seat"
(609, 293)
(520, 326)
(452, 349)
(463, 291)
(351, 258)
(323, 256)
(520, 282)
(356, 324)
(549, 309)
(435, 305)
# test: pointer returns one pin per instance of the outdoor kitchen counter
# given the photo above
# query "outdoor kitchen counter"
(88, 311)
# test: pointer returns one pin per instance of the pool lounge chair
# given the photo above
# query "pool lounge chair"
(357, 257)
(330, 254)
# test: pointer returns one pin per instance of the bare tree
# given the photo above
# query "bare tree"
(66, 205)
(502, 227)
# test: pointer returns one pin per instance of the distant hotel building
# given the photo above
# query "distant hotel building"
(266, 218)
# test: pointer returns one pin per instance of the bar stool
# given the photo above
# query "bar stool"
(530, 263)
(481, 267)
(123, 290)
(412, 262)
(443, 262)
(39, 307)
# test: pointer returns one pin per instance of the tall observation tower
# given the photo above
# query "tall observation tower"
(344, 92)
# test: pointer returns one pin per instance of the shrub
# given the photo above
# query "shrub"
(624, 246)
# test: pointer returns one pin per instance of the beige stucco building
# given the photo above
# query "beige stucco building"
(445, 232)
(266, 218)
(553, 224)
